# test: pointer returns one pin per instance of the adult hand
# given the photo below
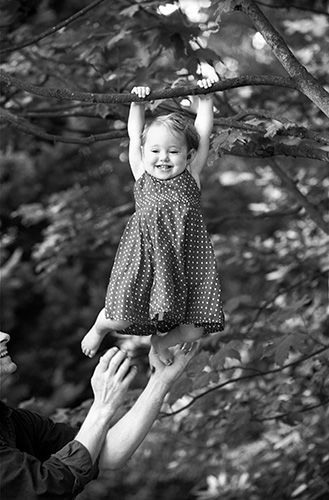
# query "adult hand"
(182, 355)
(111, 379)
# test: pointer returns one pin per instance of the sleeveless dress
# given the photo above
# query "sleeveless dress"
(164, 273)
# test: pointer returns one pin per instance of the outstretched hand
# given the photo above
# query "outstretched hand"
(182, 355)
(111, 379)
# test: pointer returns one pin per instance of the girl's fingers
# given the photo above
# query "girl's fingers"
(207, 82)
(141, 91)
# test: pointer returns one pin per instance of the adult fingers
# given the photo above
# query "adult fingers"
(123, 368)
(154, 359)
(130, 374)
(117, 360)
(105, 360)
(190, 350)
(185, 352)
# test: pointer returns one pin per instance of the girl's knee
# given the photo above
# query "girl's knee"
(118, 324)
(191, 333)
(122, 324)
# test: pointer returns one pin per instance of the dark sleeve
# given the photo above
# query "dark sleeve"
(37, 469)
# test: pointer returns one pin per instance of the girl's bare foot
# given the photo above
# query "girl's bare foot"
(91, 342)
(163, 352)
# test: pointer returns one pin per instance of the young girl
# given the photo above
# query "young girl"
(164, 280)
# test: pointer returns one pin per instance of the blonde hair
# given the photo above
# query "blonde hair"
(176, 122)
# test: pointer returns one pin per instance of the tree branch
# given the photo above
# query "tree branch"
(305, 82)
(290, 185)
(52, 30)
(71, 95)
(270, 150)
(244, 377)
(289, 413)
(26, 127)
(283, 5)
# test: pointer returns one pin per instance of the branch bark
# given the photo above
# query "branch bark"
(266, 150)
(26, 127)
(305, 82)
(290, 185)
(272, 149)
(71, 95)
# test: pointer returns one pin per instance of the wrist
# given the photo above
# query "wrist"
(102, 413)
(158, 385)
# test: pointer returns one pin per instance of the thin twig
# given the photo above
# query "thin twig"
(240, 379)
(51, 30)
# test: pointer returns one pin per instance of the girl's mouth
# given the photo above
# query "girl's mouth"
(163, 167)
(3, 354)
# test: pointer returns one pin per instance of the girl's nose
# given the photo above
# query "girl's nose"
(163, 155)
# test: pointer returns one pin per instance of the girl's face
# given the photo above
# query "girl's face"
(164, 153)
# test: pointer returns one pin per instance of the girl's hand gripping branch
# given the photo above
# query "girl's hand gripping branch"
(203, 123)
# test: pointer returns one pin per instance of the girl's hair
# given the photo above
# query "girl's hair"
(176, 122)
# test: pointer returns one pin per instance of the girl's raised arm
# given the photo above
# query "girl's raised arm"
(203, 123)
(135, 126)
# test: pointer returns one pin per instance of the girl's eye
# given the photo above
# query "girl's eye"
(174, 151)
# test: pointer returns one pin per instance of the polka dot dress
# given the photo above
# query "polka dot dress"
(164, 273)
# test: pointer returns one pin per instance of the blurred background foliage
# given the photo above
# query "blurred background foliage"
(249, 418)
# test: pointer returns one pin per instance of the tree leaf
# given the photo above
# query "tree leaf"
(284, 345)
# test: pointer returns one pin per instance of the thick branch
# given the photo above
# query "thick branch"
(283, 5)
(293, 131)
(274, 149)
(71, 95)
(289, 184)
(77, 110)
(253, 150)
(52, 30)
(26, 127)
(305, 82)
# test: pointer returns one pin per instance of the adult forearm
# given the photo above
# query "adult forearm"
(127, 434)
(93, 431)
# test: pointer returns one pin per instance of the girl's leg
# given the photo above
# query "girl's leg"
(92, 340)
(179, 335)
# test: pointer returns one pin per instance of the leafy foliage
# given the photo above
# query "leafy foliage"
(248, 419)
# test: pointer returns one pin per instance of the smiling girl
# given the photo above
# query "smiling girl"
(164, 279)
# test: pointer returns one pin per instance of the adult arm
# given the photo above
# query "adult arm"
(110, 382)
(135, 126)
(129, 432)
(35, 474)
(46, 461)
